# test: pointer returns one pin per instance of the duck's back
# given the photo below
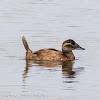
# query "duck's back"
(46, 54)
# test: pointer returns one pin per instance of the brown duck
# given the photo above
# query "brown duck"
(51, 54)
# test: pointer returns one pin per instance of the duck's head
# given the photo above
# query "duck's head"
(70, 45)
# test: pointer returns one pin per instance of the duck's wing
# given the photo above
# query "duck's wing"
(48, 54)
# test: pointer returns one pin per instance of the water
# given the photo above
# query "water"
(46, 24)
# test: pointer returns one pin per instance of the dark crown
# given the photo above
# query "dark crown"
(69, 41)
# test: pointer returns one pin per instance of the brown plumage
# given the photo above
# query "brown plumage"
(52, 54)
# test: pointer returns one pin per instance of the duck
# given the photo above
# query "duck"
(51, 54)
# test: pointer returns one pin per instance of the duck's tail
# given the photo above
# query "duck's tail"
(25, 43)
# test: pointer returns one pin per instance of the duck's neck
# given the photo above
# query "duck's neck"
(69, 54)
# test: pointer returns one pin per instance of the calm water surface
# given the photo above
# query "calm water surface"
(47, 23)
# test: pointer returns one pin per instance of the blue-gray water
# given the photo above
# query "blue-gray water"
(46, 24)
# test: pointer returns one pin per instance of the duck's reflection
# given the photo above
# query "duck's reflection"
(26, 71)
(67, 67)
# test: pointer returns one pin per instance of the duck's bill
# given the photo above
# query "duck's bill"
(77, 47)
(80, 48)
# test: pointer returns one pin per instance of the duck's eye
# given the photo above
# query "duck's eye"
(72, 42)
